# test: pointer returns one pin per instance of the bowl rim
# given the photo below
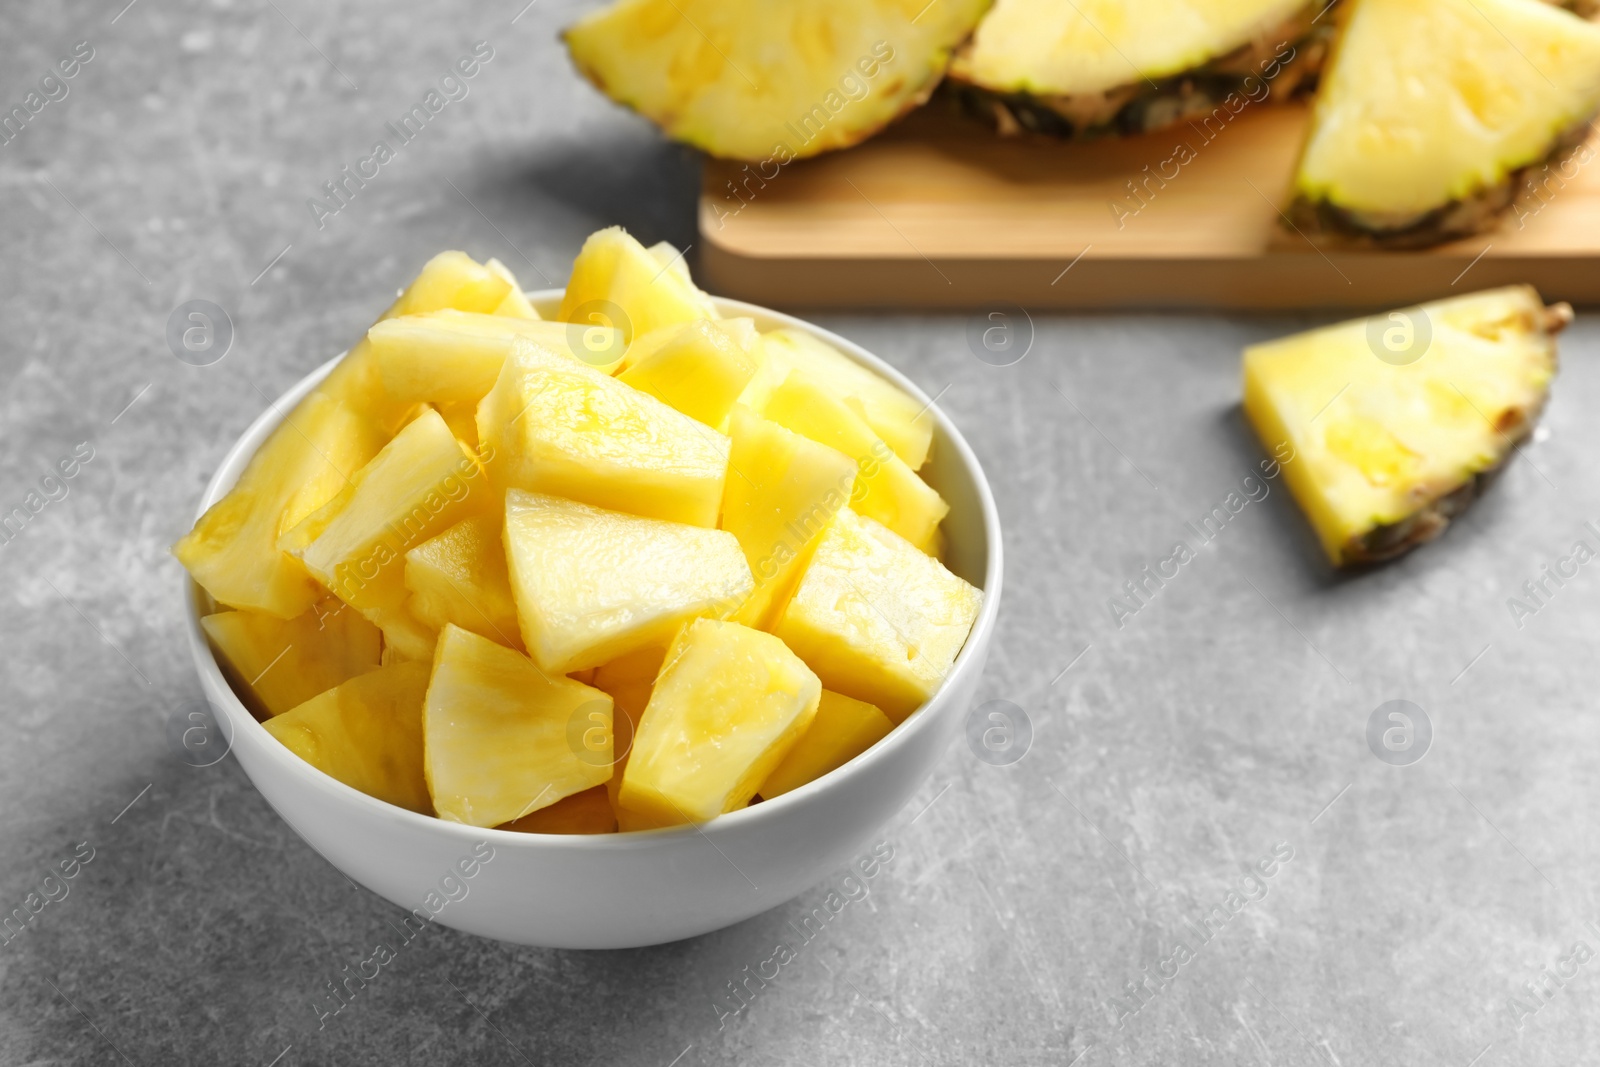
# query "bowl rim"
(967, 660)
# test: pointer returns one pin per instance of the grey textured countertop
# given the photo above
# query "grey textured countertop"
(1222, 724)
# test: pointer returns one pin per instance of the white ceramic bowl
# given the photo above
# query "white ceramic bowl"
(626, 890)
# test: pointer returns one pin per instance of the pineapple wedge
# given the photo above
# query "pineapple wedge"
(1131, 66)
(615, 277)
(515, 304)
(773, 81)
(783, 492)
(591, 585)
(454, 357)
(876, 618)
(1412, 146)
(278, 664)
(885, 488)
(701, 370)
(903, 422)
(843, 729)
(503, 738)
(1386, 427)
(729, 704)
(460, 577)
(629, 680)
(454, 280)
(421, 483)
(588, 812)
(367, 733)
(553, 425)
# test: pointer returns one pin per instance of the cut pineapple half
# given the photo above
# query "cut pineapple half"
(700, 369)
(776, 80)
(1131, 66)
(553, 425)
(729, 704)
(278, 664)
(894, 415)
(367, 733)
(450, 357)
(843, 729)
(1385, 427)
(784, 491)
(460, 577)
(876, 618)
(1414, 145)
(503, 738)
(616, 282)
(591, 585)
(885, 488)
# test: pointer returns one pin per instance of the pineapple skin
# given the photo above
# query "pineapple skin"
(1399, 450)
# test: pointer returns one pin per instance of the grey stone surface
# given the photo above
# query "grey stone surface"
(1225, 719)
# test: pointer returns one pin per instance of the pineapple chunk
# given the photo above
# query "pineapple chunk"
(615, 276)
(453, 280)
(515, 305)
(555, 426)
(772, 367)
(1417, 145)
(843, 729)
(667, 254)
(367, 733)
(463, 422)
(700, 370)
(455, 356)
(774, 81)
(591, 585)
(1384, 427)
(588, 812)
(886, 489)
(903, 423)
(422, 483)
(876, 618)
(232, 552)
(405, 637)
(461, 577)
(499, 733)
(783, 491)
(728, 706)
(628, 679)
(278, 664)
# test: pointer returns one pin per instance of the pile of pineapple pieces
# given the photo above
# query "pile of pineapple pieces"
(628, 569)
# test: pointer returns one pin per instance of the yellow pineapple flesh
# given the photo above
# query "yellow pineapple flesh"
(843, 729)
(460, 577)
(277, 664)
(628, 679)
(515, 303)
(700, 370)
(616, 278)
(588, 812)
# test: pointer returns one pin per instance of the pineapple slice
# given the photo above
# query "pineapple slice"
(1412, 146)
(503, 738)
(885, 489)
(367, 733)
(422, 483)
(555, 426)
(876, 618)
(903, 423)
(454, 357)
(773, 81)
(460, 577)
(783, 492)
(591, 585)
(667, 254)
(1385, 427)
(1131, 66)
(729, 704)
(277, 664)
(615, 276)
(629, 680)
(700, 370)
(454, 280)
(588, 812)
(772, 367)
(515, 304)
(843, 729)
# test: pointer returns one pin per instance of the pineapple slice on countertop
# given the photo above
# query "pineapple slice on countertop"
(701, 370)
(553, 425)
(843, 729)
(1410, 146)
(776, 80)
(591, 585)
(876, 618)
(729, 704)
(615, 277)
(588, 812)
(283, 663)
(367, 733)
(1387, 426)
(503, 738)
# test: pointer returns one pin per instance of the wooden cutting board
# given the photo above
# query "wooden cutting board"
(938, 212)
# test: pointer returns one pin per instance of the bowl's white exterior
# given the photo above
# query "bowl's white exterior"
(625, 890)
